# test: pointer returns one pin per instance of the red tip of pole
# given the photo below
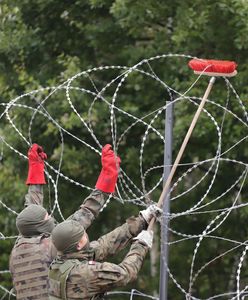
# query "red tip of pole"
(212, 66)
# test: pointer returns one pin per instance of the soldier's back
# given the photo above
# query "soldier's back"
(74, 279)
(29, 262)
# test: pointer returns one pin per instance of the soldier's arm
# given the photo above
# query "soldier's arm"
(34, 195)
(111, 275)
(90, 208)
(118, 239)
(93, 278)
(36, 176)
(105, 185)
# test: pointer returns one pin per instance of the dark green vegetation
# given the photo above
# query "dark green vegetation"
(44, 42)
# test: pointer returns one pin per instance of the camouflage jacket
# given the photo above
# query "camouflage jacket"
(84, 275)
(32, 256)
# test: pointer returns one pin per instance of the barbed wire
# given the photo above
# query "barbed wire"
(132, 192)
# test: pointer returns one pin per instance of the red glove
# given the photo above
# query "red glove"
(36, 157)
(110, 167)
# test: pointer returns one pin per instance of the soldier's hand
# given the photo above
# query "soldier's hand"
(145, 237)
(36, 153)
(152, 211)
(36, 157)
(110, 168)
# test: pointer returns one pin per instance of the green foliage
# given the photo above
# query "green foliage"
(43, 42)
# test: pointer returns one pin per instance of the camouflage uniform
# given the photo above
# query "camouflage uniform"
(31, 256)
(84, 275)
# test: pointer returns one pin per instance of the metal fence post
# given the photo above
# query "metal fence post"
(163, 285)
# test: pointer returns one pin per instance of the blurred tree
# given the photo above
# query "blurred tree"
(44, 42)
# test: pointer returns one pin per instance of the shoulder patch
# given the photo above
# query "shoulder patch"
(92, 262)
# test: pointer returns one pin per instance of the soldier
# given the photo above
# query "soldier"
(79, 270)
(33, 251)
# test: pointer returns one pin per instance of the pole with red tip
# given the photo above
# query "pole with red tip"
(211, 68)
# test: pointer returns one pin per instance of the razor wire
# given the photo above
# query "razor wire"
(139, 194)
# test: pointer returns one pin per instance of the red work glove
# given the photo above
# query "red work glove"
(110, 167)
(36, 157)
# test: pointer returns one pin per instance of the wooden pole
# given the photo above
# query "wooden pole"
(183, 146)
